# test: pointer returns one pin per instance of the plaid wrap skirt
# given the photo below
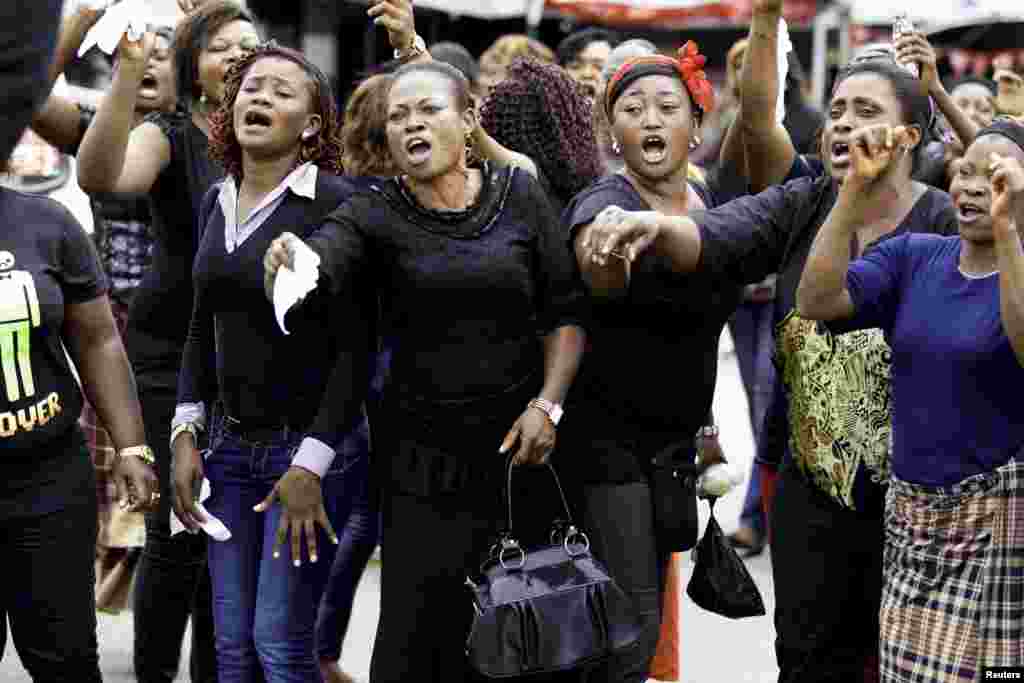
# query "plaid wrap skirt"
(953, 597)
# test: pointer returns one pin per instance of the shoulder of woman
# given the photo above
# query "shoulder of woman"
(169, 123)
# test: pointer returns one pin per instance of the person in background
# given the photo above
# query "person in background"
(952, 308)
(1010, 92)
(976, 97)
(496, 59)
(584, 54)
(540, 112)
(54, 298)
(165, 157)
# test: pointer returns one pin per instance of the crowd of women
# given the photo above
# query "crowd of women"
(516, 258)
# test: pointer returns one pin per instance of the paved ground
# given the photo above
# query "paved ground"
(713, 648)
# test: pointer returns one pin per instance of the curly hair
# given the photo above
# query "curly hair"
(540, 111)
(324, 150)
(192, 35)
(364, 136)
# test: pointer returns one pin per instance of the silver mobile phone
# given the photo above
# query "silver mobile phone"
(900, 25)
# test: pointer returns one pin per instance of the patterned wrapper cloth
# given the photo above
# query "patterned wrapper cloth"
(121, 533)
(953, 601)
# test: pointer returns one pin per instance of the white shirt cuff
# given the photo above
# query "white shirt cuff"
(314, 455)
(194, 413)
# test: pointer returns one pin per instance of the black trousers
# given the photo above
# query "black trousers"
(827, 564)
(172, 579)
(619, 520)
(48, 588)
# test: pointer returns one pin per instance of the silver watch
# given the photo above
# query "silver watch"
(417, 47)
(708, 432)
(552, 410)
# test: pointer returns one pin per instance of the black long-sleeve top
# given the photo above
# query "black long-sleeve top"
(264, 378)
(465, 298)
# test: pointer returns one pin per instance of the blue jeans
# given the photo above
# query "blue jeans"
(359, 503)
(264, 609)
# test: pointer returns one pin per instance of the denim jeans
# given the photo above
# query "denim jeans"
(358, 502)
(48, 587)
(264, 608)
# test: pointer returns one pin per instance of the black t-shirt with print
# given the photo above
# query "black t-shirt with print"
(47, 262)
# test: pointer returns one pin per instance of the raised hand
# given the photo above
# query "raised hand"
(914, 48)
(189, 6)
(1007, 192)
(135, 54)
(398, 18)
(874, 150)
(767, 6)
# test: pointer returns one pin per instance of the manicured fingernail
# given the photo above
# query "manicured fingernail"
(297, 563)
(312, 558)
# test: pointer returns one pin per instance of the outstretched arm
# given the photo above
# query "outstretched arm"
(1008, 216)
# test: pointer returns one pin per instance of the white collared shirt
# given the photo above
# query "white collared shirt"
(301, 181)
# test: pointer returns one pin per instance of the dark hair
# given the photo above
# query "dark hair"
(575, 43)
(324, 150)
(459, 57)
(1006, 127)
(364, 139)
(192, 36)
(917, 106)
(987, 83)
(460, 84)
(540, 111)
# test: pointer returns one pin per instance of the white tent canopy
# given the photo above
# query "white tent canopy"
(930, 14)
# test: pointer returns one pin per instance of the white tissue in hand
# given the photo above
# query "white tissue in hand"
(292, 286)
(785, 46)
(212, 526)
(129, 16)
(718, 480)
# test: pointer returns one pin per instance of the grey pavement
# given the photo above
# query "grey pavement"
(713, 648)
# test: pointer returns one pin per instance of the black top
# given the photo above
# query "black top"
(773, 232)
(648, 378)
(162, 303)
(47, 262)
(265, 378)
(465, 296)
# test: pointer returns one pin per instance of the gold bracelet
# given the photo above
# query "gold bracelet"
(143, 453)
(189, 427)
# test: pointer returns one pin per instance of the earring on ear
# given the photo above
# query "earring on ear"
(615, 146)
(307, 134)
(202, 98)
(694, 142)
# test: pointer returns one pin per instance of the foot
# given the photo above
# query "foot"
(332, 673)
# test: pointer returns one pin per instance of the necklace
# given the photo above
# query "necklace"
(976, 276)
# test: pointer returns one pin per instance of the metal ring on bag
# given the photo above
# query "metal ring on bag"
(576, 533)
(513, 546)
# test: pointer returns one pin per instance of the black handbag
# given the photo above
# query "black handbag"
(674, 495)
(545, 609)
(720, 582)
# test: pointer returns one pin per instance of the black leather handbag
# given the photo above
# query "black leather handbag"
(545, 609)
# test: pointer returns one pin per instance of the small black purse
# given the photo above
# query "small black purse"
(545, 609)
(673, 480)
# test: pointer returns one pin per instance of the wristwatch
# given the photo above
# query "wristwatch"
(417, 47)
(707, 432)
(552, 410)
(143, 453)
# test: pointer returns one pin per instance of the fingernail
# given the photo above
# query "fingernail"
(297, 563)
(312, 558)
(335, 539)
(276, 555)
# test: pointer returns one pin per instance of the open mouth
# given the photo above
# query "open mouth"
(654, 148)
(840, 154)
(418, 150)
(257, 118)
(968, 212)
(149, 83)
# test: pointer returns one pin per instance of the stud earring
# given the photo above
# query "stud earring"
(202, 98)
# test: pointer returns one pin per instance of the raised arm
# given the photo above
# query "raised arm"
(822, 293)
(768, 149)
(489, 148)
(915, 48)
(113, 157)
(1008, 216)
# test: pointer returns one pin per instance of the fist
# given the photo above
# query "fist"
(876, 149)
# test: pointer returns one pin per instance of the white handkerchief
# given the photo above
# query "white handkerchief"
(292, 286)
(212, 526)
(129, 16)
(785, 47)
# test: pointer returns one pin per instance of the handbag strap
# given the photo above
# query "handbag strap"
(508, 492)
